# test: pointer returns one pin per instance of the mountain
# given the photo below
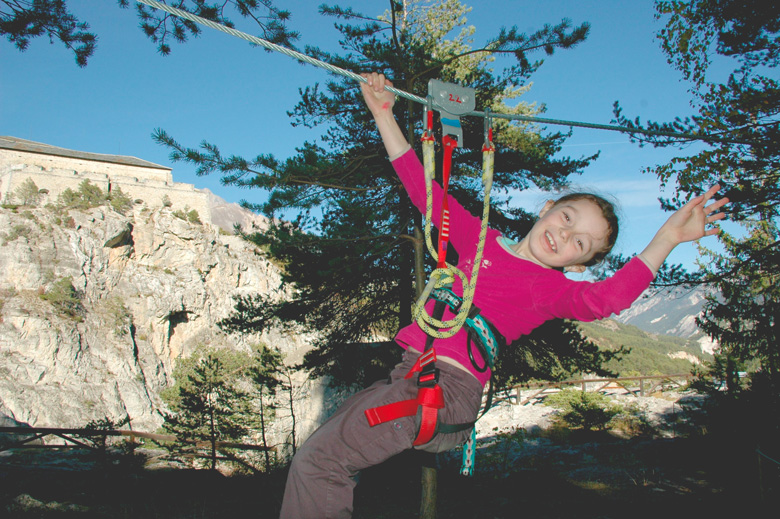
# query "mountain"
(671, 312)
(97, 306)
(660, 328)
(650, 353)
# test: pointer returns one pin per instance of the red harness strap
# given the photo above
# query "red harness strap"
(449, 144)
(430, 399)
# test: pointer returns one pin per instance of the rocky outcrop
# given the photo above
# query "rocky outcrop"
(149, 288)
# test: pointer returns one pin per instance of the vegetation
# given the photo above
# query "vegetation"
(22, 21)
(206, 403)
(120, 201)
(742, 40)
(118, 316)
(17, 231)
(87, 196)
(582, 409)
(103, 424)
(65, 299)
(220, 395)
(269, 375)
(368, 269)
(643, 353)
(729, 52)
(28, 193)
(188, 215)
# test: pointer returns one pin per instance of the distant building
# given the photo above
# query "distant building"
(55, 169)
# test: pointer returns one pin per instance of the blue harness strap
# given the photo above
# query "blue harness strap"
(483, 335)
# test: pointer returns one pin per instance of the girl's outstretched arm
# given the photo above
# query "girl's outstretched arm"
(380, 102)
(688, 223)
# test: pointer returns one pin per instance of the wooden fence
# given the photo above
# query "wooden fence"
(76, 438)
(636, 386)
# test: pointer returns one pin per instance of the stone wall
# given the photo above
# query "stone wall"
(53, 174)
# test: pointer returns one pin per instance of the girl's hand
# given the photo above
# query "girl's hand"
(377, 99)
(690, 222)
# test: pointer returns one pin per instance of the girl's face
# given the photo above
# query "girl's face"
(567, 235)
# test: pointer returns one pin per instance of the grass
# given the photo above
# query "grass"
(583, 478)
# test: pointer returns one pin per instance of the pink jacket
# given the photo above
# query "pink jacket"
(514, 294)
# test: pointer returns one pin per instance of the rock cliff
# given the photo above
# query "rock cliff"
(147, 288)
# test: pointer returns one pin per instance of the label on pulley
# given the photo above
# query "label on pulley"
(451, 98)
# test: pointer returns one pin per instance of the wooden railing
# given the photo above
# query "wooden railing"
(636, 386)
(76, 437)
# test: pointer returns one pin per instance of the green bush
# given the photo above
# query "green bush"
(88, 196)
(120, 201)
(17, 231)
(65, 299)
(187, 214)
(28, 193)
(583, 410)
(118, 316)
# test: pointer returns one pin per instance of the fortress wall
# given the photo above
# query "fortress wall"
(11, 158)
(181, 196)
(55, 174)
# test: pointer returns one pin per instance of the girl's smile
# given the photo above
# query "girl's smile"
(566, 235)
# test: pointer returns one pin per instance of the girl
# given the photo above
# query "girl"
(520, 287)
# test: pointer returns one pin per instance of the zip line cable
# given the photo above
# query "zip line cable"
(406, 95)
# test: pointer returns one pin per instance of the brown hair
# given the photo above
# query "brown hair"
(608, 212)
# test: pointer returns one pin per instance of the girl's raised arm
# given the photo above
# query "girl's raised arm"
(380, 102)
(688, 223)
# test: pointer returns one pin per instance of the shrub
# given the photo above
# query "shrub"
(118, 316)
(17, 231)
(193, 217)
(65, 299)
(187, 214)
(88, 196)
(28, 193)
(580, 409)
(120, 201)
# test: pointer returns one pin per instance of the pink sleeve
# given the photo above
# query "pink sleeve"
(464, 227)
(587, 301)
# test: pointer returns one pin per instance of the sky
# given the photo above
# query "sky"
(220, 89)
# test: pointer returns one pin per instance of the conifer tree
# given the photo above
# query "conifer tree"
(23, 20)
(206, 404)
(350, 251)
(742, 39)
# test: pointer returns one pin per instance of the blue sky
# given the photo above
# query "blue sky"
(220, 89)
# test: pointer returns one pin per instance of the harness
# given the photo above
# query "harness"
(481, 335)
(452, 101)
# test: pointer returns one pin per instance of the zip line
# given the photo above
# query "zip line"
(406, 95)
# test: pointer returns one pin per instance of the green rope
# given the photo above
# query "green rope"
(442, 277)
(336, 70)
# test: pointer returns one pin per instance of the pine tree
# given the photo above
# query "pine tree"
(206, 404)
(23, 20)
(742, 314)
(743, 109)
(350, 251)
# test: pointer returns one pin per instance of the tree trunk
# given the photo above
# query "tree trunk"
(292, 409)
(262, 432)
(429, 491)
(429, 476)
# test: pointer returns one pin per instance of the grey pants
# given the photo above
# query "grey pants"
(322, 474)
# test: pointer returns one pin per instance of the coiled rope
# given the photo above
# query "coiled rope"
(444, 274)
(336, 70)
